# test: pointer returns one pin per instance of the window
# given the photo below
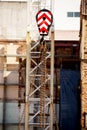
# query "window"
(73, 14)
(77, 14)
(69, 14)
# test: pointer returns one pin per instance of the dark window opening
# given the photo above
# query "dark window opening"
(73, 14)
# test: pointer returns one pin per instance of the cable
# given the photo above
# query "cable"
(43, 87)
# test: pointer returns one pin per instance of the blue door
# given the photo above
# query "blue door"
(69, 106)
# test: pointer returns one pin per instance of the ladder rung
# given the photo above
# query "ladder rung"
(38, 124)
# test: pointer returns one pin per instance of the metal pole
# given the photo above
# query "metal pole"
(28, 66)
(52, 77)
(52, 5)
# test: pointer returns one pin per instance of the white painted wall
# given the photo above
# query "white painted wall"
(12, 20)
(13, 17)
(62, 22)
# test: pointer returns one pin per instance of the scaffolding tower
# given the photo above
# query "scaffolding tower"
(30, 101)
(38, 110)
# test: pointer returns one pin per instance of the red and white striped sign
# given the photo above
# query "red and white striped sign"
(44, 20)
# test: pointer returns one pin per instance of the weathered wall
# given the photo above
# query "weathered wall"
(13, 20)
(9, 67)
(84, 70)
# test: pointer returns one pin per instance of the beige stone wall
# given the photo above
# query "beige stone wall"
(83, 90)
(84, 73)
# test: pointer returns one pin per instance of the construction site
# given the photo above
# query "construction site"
(43, 69)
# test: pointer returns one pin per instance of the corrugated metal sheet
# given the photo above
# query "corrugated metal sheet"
(12, 92)
(1, 77)
(1, 112)
(12, 77)
(1, 91)
(15, 127)
(12, 112)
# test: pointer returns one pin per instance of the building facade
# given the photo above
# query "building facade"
(13, 26)
(67, 14)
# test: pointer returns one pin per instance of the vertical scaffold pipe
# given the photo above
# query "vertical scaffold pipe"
(28, 66)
